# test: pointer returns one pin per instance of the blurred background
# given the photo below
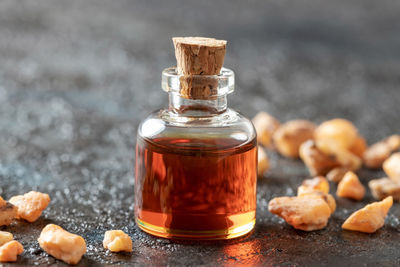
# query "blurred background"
(306, 58)
(77, 77)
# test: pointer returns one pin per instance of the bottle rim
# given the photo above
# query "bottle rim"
(171, 81)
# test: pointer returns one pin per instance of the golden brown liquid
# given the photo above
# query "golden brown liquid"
(195, 188)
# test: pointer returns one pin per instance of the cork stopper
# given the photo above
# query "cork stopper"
(197, 57)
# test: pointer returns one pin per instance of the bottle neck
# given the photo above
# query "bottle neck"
(197, 107)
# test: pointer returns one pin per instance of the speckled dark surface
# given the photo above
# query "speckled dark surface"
(76, 77)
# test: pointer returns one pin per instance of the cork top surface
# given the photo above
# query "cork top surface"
(200, 41)
(199, 55)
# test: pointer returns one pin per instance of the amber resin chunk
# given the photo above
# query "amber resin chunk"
(263, 162)
(5, 237)
(317, 184)
(10, 250)
(359, 146)
(339, 137)
(317, 162)
(345, 158)
(348, 160)
(336, 174)
(376, 154)
(392, 167)
(30, 205)
(265, 126)
(61, 244)
(116, 241)
(307, 212)
(328, 198)
(370, 218)
(350, 187)
(384, 187)
(337, 132)
(7, 212)
(290, 135)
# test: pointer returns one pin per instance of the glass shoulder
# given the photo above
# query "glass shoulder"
(229, 124)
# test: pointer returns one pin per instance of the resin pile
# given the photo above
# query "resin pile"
(332, 151)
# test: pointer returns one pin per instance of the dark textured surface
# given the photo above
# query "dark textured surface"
(76, 77)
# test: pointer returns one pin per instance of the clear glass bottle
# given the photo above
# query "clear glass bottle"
(196, 165)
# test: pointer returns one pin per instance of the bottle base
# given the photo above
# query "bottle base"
(164, 232)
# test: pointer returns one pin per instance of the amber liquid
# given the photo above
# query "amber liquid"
(201, 189)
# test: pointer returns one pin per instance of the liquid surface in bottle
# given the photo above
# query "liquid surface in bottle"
(193, 188)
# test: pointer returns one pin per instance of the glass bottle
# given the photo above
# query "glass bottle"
(196, 165)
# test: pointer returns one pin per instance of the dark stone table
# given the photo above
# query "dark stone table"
(76, 77)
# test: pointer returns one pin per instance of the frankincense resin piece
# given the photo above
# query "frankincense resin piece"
(342, 155)
(290, 135)
(5, 237)
(350, 187)
(370, 218)
(336, 174)
(307, 212)
(7, 212)
(316, 184)
(392, 167)
(265, 126)
(30, 205)
(61, 244)
(337, 132)
(384, 187)
(317, 162)
(116, 241)
(339, 138)
(359, 147)
(328, 198)
(377, 153)
(10, 250)
(263, 162)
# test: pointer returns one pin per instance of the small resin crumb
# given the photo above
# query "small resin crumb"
(377, 153)
(384, 187)
(31, 205)
(61, 244)
(116, 241)
(7, 212)
(306, 213)
(336, 175)
(317, 184)
(392, 167)
(263, 162)
(350, 187)
(288, 138)
(5, 237)
(265, 126)
(317, 162)
(337, 132)
(370, 218)
(10, 250)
